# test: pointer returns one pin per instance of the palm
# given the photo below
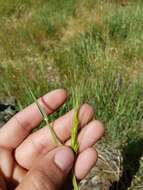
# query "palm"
(19, 149)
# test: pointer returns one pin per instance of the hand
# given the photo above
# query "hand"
(31, 161)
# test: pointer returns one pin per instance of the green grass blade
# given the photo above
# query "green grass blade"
(45, 118)
(74, 131)
(41, 109)
(75, 184)
(74, 142)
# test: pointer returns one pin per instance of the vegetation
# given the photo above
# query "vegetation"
(93, 47)
(56, 141)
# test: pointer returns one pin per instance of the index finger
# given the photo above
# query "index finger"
(19, 127)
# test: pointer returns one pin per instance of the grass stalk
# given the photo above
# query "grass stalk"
(74, 135)
(74, 132)
(45, 118)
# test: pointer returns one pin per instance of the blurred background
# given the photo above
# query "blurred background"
(90, 47)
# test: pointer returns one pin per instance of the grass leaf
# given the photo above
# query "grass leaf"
(45, 118)
(74, 136)
(74, 131)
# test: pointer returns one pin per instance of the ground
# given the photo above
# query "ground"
(93, 48)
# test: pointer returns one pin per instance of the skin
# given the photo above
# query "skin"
(32, 161)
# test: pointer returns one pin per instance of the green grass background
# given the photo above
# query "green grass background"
(92, 47)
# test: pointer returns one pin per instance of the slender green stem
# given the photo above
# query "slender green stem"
(45, 118)
(74, 132)
(74, 143)
(74, 182)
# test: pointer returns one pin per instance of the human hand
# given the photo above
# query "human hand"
(32, 161)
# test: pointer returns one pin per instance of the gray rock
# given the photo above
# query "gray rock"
(7, 110)
(107, 170)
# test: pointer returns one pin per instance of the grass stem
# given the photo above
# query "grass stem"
(45, 118)
(74, 143)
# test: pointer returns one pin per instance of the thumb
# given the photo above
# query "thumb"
(50, 171)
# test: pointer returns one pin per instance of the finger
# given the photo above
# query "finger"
(2, 182)
(87, 159)
(6, 163)
(15, 131)
(89, 135)
(64, 124)
(41, 142)
(12, 172)
(50, 171)
(18, 173)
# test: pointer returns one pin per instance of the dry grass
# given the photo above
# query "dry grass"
(94, 46)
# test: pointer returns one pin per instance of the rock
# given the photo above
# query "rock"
(107, 170)
(7, 110)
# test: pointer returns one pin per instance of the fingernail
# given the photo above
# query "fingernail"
(64, 159)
